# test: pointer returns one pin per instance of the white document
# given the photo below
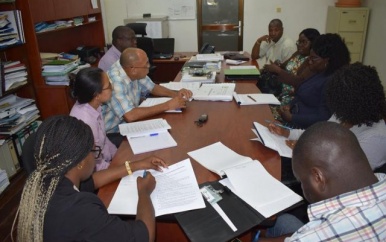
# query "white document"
(242, 67)
(215, 92)
(176, 191)
(176, 86)
(252, 183)
(149, 102)
(234, 62)
(273, 141)
(255, 98)
(143, 128)
(218, 158)
(147, 143)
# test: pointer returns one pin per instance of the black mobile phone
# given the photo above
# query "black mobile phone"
(203, 118)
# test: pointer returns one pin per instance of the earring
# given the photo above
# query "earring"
(79, 167)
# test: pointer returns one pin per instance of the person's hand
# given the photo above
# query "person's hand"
(151, 162)
(273, 67)
(187, 94)
(291, 143)
(278, 130)
(177, 102)
(265, 38)
(285, 113)
(146, 184)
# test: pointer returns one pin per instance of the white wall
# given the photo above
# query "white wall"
(295, 14)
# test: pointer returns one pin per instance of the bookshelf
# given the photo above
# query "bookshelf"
(53, 100)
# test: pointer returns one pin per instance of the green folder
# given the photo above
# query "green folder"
(237, 72)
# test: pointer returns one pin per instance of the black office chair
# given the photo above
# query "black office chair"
(144, 43)
(27, 156)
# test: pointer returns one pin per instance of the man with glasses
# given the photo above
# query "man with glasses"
(274, 46)
(130, 82)
(123, 37)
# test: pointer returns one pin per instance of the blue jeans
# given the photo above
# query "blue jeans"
(285, 224)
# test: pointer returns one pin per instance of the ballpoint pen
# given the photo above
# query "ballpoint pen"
(251, 98)
(277, 124)
(144, 174)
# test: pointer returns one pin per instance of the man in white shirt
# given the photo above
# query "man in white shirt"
(274, 46)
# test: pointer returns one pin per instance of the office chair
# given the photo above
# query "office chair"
(27, 156)
(144, 43)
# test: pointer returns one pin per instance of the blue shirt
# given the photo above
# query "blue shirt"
(126, 95)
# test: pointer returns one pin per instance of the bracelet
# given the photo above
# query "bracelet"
(127, 164)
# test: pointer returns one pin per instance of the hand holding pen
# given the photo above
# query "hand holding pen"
(277, 128)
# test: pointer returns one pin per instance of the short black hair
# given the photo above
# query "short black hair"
(88, 83)
(356, 95)
(276, 21)
(332, 46)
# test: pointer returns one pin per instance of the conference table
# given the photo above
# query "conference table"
(227, 122)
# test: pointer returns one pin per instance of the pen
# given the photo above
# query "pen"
(151, 135)
(277, 124)
(256, 238)
(251, 98)
(144, 174)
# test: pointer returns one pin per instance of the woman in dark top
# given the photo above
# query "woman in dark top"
(58, 203)
(328, 54)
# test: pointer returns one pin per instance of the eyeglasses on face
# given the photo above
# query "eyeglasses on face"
(143, 67)
(97, 151)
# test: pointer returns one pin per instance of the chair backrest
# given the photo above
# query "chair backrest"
(144, 43)
(27, 157)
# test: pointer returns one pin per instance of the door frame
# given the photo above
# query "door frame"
(220, 27)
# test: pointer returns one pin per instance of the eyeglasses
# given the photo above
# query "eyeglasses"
(302, 42)
(143, 67)
(97, 151)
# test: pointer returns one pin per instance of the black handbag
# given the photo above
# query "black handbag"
(267, 82)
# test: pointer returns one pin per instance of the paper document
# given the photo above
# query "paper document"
(215, 92)
(273, 141)
(252, 183)
(176, 191)
(218, 158)
(255, 98)
(176, 86)
(149, 102)
(147, 143)
(210, 57)
(142, 128)
(242, 67)
(209, 78)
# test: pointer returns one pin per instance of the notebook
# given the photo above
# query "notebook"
(163, 48)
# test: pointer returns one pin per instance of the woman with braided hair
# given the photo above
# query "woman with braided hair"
(58, 203)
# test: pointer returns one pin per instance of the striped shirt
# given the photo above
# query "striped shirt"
(126, 95)
(354, 216)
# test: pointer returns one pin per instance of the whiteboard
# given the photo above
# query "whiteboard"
(182, 9)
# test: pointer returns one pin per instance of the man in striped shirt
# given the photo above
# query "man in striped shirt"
(348, 201)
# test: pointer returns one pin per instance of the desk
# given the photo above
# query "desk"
(228, 123)
(167, 69)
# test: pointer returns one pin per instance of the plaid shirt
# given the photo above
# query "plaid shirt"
(126, 96)
(354, 216)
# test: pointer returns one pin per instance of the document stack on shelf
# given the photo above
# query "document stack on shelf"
(11, 28)
(148, 135)
(56, 72)
(215, 92)
(15, 74)
(176, 191)
(4, 181)
(16, 113)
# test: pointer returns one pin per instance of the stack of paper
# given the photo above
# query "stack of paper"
(56, 72)
(176, 191)
(149, 102)
(176, 86)
(148, 135)
(4, 181)
(215, 92)
(210, 77)
(272, 141)
(11, 28)
(15, 74)
(210, 57)
(247, 179)
(255, 98)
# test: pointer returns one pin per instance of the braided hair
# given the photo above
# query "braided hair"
(62, 142)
